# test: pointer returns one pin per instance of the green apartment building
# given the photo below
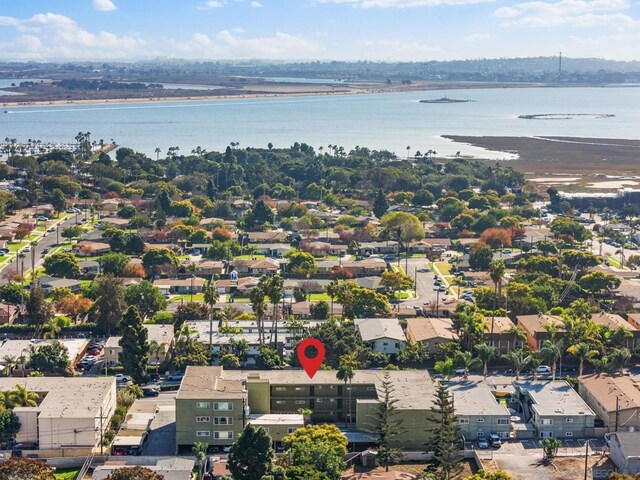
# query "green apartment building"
(213, 404)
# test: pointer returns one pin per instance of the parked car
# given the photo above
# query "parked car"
(459, 371)
(27, 248)
(150, 392)
(120, 378)
(543, 369)
(175, 377)
(607, 439)
(94, 352)
(483, 443)
(494, 440)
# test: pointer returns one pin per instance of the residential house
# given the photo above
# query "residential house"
(385, 335)
(49, 283)
(536, 328)
(615, 399)
(171, 468)
(478, 411)
(378, 248)
(160, 334)
(276, 236)
(87, 248)
(555, 409)
(180, 286)
(115, 222)
(71, 413)
(316, 248)
(624, 451)
(366, 267)
(302, 310)
(89, 267)
(431, 332)
(276, 250)
(258, 267)
(615, 322)
(208, 268)
(8, 313)
(499, 334)
(243, 285)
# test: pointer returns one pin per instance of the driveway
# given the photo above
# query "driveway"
(162, 437)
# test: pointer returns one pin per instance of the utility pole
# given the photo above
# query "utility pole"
(586, 458)
(617, 411)
(101, 435)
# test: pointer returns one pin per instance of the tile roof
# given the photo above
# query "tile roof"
(421, 329)
(606, 388)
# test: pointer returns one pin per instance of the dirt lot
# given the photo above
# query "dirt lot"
(414, 468)
(525, 467)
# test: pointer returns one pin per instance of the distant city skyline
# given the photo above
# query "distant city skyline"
(376, 30)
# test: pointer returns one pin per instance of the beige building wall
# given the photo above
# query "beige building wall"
(28, 417)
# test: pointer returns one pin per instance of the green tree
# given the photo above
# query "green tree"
(404, 227)
(583, 352)
(445, 367)
(9, 425)
(23, 397)
(380, 204)
(388, 426)
(229, 360)
(11, 293)
(365, 303)
(302, 263)
(486, 353)
(51, 359)
(146, 297)
(320, 447)
(274, 289)
(19, 468)
(113, 263)
(550, 448)
(58, 200)
(551, 351)
(597, 282)
(480, 256)
(156, 258)
(199, 450)
(135, 347)
(466, 361)
(63, 265)
(110, 304)
(39, 310)
(484, 475)
(251, 456)
(346, 371)
(396, 281)
(443, 433)
(519, 360)
(497, 270)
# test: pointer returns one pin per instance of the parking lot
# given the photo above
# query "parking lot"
(533, 448)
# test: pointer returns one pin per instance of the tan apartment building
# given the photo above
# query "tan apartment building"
(213, 405)
(71, 413)
(614, 399)
(502, 336)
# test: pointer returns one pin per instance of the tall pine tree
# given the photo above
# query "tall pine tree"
(444, 433)
(388, 426)
(135, 347)
(380, 204)
(251, 456)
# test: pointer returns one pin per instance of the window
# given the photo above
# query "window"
(291, 430)
(279, 402)
(384, 344)
(519, 343)
(480, 420)
(281, 389)
(299, 389)
(300, 402)
(546, 421)
(223, 435)
(319, 400)
(569, 420)
(568, 434)
(463, 421)
(332, 400)
(371, 389)
(203, 419)
(223, 406)
(480, 434)
(503, 421)
(202, 404)
(223, 420)
(203, 433)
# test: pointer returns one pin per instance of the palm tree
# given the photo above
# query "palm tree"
(9, 362)
(496, 272)
(259, 307)
(582, 351)
(211, 297)
(602, 365)
(7, 399)
(519, 360)
(486, 353)
(199, 449)
(346, 372)
(332, 291)
(459, 282)
(552, 352)
(157, 150)
(466, 361)
(155, 350)
(550, 448)
(445, 367)
(619, 358)
(25, 398)
(274, 288)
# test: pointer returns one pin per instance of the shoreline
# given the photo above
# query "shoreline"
(364, 89)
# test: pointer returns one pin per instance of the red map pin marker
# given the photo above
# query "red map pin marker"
(310, 365)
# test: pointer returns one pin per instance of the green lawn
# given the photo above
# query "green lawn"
(197, 297)
(14, 247)
(444, 267)
(66, 473)
(316, 297)
(34, 236)
(248, 257)
(41, 229)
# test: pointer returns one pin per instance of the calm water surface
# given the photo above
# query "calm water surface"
(380, 121)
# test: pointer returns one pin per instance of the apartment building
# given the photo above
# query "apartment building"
(555, 409)
(213, 405)
(615, 399)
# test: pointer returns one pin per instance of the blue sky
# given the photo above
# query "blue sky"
(391, 30)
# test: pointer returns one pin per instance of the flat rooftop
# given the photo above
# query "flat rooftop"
(554, 398)
(78, 397)
(276, 419)
(413, 389)
(19, 348)
(475, 398)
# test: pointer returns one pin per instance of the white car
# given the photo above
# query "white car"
(27, 248)
(459, 371)
(543, 369)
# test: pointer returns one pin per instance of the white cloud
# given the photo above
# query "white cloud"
(211, 4)
(401, 3)
(575, 13)
(51, 36)
(477, 37)
(255, 4)
(396, 50)
(104, 5)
